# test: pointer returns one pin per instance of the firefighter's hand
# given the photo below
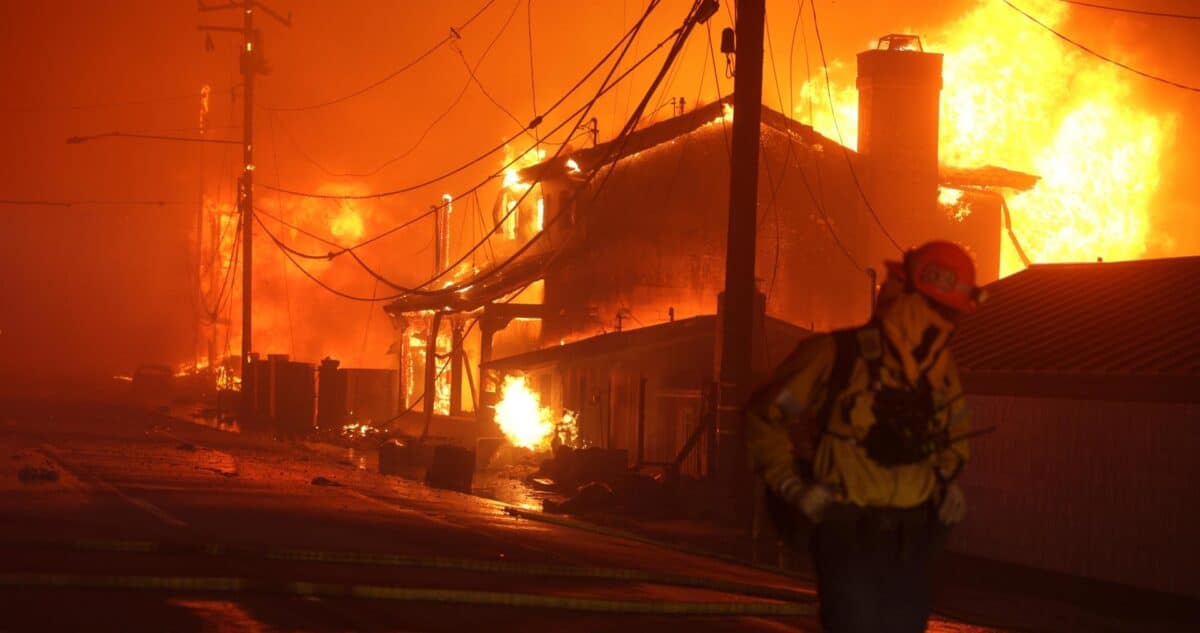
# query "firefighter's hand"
(814, 501)
(953, 506)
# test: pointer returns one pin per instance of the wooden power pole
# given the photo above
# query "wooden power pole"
(252, 63)
(735, 340)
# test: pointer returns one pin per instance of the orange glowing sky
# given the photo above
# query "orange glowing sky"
(103, 288)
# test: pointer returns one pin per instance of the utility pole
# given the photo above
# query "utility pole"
(252, 63)
(738, 304)
(249, 66)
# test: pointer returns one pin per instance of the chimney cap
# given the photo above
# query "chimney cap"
(900, 42)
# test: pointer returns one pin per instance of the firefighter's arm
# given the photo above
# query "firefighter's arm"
(952, 458)
(795, 388)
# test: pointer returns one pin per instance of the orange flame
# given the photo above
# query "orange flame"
(521, 416)
(1013, 95)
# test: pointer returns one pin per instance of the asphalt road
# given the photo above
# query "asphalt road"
(155, 524)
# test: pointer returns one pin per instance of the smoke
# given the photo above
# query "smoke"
(1157, 45)
(103, 288)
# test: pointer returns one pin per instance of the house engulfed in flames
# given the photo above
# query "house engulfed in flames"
(640, 247)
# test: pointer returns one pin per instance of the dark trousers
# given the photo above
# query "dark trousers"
(873, 568)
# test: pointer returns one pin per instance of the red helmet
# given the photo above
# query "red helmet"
(942, 271)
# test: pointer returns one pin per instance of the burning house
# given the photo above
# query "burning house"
(630, 235)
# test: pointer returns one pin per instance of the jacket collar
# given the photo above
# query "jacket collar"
(916, 334)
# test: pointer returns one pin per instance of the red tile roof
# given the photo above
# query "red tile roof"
(1138, 318)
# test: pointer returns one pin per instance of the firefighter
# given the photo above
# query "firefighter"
(888, 423)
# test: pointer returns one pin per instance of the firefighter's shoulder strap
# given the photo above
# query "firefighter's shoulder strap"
(850, 345)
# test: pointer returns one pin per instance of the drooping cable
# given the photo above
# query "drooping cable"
(841, 142)
(489, 152)
(453, 35)
(1094, 53)
(350, 249)
(1154, 14)
(679, 34)
(424, 132)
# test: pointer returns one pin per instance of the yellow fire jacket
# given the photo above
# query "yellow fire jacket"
(908, 339)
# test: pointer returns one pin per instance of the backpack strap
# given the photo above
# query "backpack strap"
(851, 345)
(846, 353)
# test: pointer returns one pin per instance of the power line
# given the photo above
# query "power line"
(846, 152)
(424, 133)
(1156, 14)
(288, 254)
(484, 90)
(1110, 60)
(225, 290)
(679, 34)
(75, 140)
(717, 87)
(453, 35)
(532, 81)
(618, 143)
(111, 104)
(304, 231)
(287, 291)
(583, 113)
(502, 144)
(606, 87)
(332, 254)
(400, 190)
(772, 205)
(290, 250)
(82, 203)
(816, 202)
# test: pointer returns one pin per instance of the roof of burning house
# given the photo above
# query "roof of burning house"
(662, 132)
(781, 337)
(527, 269)
(673, 128)
(1118, 330)
(505, 281)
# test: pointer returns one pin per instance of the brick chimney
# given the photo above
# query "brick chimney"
(899, 87)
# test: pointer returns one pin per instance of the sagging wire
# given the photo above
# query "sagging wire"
(532, 124)
(424, 133)
(841, 142)
(1076, 44)
(450, 37)
(606, 85)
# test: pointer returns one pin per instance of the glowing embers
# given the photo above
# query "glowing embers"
(417, 356)
(512, 178)
(521, 212)
(221, 375)
(441, 381)
(953, 203)
(205, 93)
(192, 368)
(358, 429)
(1014, 95)
(726, 115)
(226, 379)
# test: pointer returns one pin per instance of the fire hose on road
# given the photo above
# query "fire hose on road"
(789, 603)
(402, 594)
